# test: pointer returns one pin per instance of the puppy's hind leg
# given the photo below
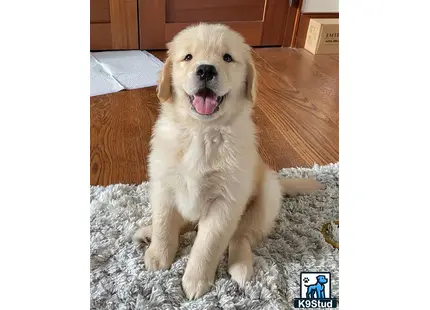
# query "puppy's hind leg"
(255, 224)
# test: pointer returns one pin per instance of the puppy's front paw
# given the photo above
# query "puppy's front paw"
(157, 258)
(241, 272)
(195, 284)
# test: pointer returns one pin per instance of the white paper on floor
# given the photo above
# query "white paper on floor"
(117, 70)
(101, 81)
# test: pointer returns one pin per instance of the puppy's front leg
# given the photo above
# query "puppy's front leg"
(215, 229)
(166, 224)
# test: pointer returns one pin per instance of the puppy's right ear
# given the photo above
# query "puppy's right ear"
(164, 88)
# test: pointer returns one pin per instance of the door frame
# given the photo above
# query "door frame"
(293, 17)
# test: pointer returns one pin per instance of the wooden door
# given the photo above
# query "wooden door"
(113, 25)
(261, 22)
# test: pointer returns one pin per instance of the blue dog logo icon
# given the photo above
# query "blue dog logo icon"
(317, 290)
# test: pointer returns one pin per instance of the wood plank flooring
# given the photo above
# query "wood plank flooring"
(297, 115)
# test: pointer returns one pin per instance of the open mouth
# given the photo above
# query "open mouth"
(206, 102)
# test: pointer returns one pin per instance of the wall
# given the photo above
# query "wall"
(320, 6)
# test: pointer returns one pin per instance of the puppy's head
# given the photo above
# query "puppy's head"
(209, 72)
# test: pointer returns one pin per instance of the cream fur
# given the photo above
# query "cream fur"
(206, 171)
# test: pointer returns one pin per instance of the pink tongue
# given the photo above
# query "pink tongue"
(204, 105)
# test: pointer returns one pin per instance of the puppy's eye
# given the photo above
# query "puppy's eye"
(227, 58)
(188, 57)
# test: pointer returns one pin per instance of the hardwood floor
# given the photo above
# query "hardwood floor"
(297, 115)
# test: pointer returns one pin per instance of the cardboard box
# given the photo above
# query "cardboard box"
(323, 36)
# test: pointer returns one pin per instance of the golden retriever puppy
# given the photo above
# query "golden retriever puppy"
(204, 167)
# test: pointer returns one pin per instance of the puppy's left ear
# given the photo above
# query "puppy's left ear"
(164, 88)
(251, 80)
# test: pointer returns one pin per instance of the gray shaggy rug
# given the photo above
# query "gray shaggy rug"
(119, 279)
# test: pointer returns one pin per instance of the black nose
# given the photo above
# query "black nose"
(206, 72)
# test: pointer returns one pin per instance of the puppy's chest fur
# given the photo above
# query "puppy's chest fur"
(203, 166)
(201, 170)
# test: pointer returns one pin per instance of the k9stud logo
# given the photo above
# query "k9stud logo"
(315, 291)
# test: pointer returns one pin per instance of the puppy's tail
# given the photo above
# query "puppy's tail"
(293, 187)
